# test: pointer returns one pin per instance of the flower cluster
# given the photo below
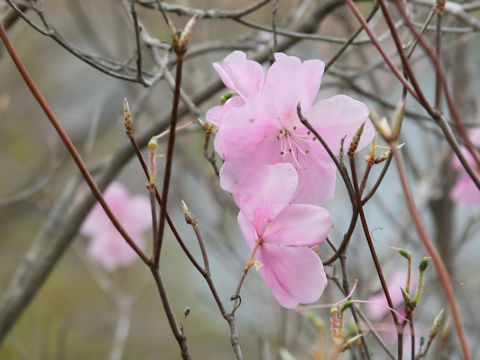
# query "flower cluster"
(277, 170)
(465, 192)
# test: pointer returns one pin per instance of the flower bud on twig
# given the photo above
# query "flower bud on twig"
(406, 254)
(422, 267)
(186, 213)
(355, 141)
(127, 117)
(225, 97)
(397, 119)
(152, 145)
(180, 46)
(381, 125)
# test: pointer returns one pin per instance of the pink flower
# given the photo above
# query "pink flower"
(266, 128)
(465, 192)
(290, 268)
(106, 245)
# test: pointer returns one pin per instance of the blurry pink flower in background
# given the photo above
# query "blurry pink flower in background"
(465, 192)
(106, 246)
(290, 268)
(266, 128)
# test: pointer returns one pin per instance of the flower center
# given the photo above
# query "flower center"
(294, 144)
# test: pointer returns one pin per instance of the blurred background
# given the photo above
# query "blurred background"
(76, 313)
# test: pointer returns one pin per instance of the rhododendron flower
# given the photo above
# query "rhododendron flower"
(284, 234)
(266, 128)
(106, 246)
(465, 192)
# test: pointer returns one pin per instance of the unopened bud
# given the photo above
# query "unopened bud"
(127, 117)
(173, 33)
(436, 322)
(355, 140)
(381, 125)
(440, 6)
(423, 264)
(334, 309)
(398, 119)
(405, 294)
(373, 149)
(406, 254)
(382, 158)
(181, 46)
(348, 304)
(421, 278)
(226, 96)
(153, 143)
(351, 341)
(186, 213)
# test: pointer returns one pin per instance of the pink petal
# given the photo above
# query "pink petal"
(239, 74)
(312, 71)
(316, 180)
(299, 225)
(290, 81)
(216, 114)
(138, 215)
(248, 230)
(340, 116)
(475, 136)
(245, 128)
(465, 192)
(293, 274)
(112, 251)
(115, 196)
(267, 194)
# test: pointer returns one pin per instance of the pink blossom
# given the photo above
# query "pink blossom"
(266, 128)
(290, 268)
(106, 245)
(465, 192)
(240, 75)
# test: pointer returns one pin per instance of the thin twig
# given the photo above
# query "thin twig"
(168, 163)
(379, 180)
(370, 242)
(177, 332)
(133, 10)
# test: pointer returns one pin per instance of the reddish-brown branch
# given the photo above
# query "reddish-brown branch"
(168, 164)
